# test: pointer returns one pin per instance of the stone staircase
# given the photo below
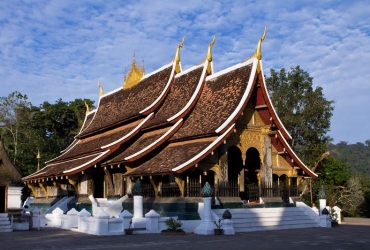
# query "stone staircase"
(261, 219)
(5, 224)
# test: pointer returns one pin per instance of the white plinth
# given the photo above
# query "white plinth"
(138, 207)
(322, 205)
(228, 227)
(325, 221)
(14, 197)
(206, 227)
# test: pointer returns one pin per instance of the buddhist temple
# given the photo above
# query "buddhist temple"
(175, 130)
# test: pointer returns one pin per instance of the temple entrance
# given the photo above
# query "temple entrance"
(99, 184)
(252, 165)
(234, 162)
(2, 199)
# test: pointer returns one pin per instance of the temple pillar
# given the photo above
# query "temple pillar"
(266, 154)
(83, 185)
(109, 183)
(181, 184)
(223, 174)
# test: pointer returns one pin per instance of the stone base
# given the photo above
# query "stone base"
(205, 228)
(325, 221)
(21, 226)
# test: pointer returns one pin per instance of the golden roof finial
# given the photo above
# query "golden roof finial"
(134, 75)
(177, 56)
(209, 55)
(101, 92)
(87, 108)
(257, 54)
(38, 159)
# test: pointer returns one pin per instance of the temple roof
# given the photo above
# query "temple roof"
(182, 95)
(122, 105)
(223, 96)
(168, 120)
(97, 142)
(9, 173)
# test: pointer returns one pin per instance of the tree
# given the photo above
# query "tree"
(49, 128)
(303, 110)
(350, 197)
(13, 113)
(58, 124)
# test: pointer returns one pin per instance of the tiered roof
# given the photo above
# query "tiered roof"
(170, 120)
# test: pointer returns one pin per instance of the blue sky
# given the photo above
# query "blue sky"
(61, 48)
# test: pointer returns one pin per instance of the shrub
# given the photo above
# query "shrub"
(173, 224)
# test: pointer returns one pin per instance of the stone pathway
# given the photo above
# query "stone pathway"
(352, 235)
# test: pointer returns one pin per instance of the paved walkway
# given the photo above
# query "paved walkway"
(354, 234)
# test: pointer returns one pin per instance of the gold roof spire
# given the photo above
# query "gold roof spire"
(38, 159)
(134, 75)
(87, 108)
(209, 55)
(101, 92)
(177, 56)
(257, 54)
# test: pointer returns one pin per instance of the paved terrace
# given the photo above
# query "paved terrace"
(354, 234)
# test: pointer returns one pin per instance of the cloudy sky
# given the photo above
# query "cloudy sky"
(61, 48)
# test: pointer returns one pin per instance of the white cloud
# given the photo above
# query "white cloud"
(59, 49)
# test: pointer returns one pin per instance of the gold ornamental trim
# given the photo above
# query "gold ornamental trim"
(134, 76)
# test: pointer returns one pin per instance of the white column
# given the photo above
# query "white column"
(14, 197)
(206, 226)
(138, 221)
(138, 206)
(322, 205)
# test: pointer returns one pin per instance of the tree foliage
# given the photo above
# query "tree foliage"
(357, 155)
(13, 116)
(47, 129)
(303, 110)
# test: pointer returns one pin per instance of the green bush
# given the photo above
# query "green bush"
(173, 224)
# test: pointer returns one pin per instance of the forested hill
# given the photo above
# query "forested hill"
(357, 155)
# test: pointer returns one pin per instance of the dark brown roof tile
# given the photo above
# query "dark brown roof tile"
(172, 156)
(123, 105)
(219, 99)
(179, 95)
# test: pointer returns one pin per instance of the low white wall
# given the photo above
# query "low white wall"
(100, 224)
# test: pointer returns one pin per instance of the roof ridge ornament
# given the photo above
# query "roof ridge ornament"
(87, 107)
(209, 55)
(134, 75)
(258, 54)
(101, 92)
(177, 56)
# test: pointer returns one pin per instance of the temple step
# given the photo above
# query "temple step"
(5, 225)
(261, 219)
